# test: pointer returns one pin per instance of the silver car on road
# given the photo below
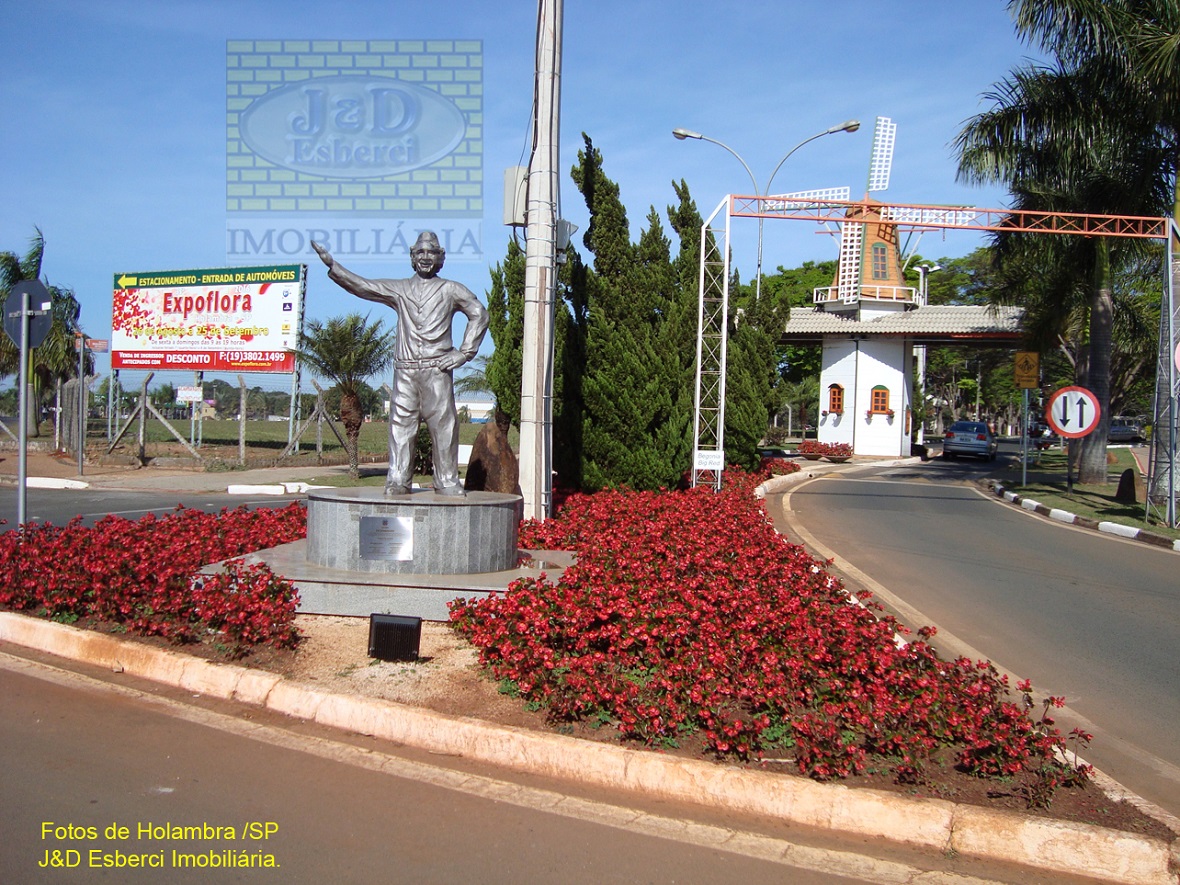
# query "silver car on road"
(969, 438)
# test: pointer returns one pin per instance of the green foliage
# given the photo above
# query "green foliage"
(368, 399)
(424, 452)
(504, 369)
(1093, 132)
(570, 325)
(630, 389)
(57, 358)
(348, 350)
(753, 395)
(163, 394)
(506, 326)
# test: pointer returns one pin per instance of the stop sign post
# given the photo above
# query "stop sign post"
(1072, 412)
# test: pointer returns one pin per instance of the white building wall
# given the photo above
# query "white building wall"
(838, 367)
(859, 366)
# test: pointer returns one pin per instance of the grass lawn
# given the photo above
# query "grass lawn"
(1047, 485)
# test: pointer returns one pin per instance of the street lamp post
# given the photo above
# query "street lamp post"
(924, 270)
(681, 134)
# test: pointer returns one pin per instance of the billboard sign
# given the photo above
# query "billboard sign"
(236, 319)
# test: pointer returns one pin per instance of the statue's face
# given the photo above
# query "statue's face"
(427, 259)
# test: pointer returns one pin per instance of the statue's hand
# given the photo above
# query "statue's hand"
(325, 255)
(452, 359)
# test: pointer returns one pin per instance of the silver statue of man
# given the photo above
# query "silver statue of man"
(424, 360)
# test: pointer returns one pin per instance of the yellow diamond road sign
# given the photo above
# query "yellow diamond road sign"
(1028, 369)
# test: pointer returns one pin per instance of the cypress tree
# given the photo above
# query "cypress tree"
(506, 325)
(506, 364)
(625, 399)
(568, 366)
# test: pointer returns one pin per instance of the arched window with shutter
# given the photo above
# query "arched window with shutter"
(836, 399)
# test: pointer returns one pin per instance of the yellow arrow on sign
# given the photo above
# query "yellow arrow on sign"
(125, 281)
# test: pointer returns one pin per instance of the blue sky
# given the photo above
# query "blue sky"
(115, 144)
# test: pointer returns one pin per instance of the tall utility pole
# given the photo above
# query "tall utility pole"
(536, 394)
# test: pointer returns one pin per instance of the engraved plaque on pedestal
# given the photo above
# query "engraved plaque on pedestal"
(389, 538)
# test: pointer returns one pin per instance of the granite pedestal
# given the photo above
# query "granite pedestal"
(361, 530)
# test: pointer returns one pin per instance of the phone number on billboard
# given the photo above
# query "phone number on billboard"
(236, 356)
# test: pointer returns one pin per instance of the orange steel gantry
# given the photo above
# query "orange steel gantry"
(709, 418)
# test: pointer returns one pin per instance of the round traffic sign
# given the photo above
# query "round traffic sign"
(1073, 412)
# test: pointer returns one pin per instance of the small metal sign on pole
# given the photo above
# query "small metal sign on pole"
(26, 332)
(83, 399)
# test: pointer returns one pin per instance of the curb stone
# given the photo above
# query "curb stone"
(934, 824)
(1109, 528)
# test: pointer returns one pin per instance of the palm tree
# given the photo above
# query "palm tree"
(475, 379)
(56, 358)
(347, 350)
(1084, 135)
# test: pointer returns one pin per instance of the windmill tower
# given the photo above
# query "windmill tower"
(869, 274)
(865, 391)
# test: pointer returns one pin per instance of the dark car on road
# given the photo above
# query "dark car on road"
(969, 438)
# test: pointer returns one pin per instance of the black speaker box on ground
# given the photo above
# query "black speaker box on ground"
(394, 637)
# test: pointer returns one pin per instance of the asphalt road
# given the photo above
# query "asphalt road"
(59, 506)
(1083, 615)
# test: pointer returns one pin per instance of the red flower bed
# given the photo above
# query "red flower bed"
(815, 447)
(777, 467)
(687, 613)
(140, 574)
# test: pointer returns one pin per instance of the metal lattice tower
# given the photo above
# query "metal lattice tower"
(1162, 476)
(713, 308)
(712, 341)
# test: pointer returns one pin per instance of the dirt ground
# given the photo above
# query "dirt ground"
(334, 656)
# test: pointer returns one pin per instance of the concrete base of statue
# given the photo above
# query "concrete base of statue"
(362, 530)
(450, 547)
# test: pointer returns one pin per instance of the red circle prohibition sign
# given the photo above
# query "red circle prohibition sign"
(1073, 412)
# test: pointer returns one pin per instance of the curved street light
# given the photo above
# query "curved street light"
(681, 134)
(924, 270)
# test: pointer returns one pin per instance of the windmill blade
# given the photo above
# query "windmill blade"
(805, 199)
(848, 274)
(881, 160)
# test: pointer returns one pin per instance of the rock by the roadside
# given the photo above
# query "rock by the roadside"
(493, 466)
(1129, 487)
